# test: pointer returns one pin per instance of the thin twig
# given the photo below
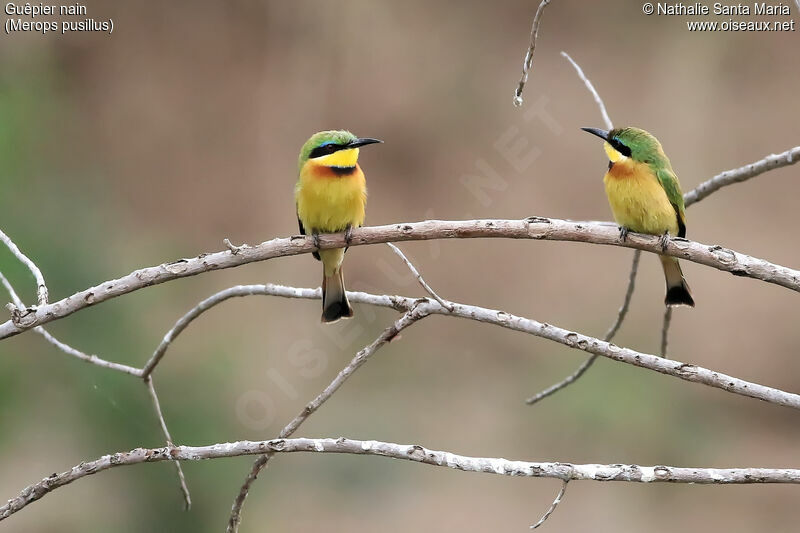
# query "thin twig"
(588, 83)
(410, 317)
(737, 175)
(612, 331)
(187, 498)
(88, 358)
(66, 348)
(41, 287)
(553, 506)
(417, 275)
(528, 63)
(665, 330)
(537, 228)
(408, 452)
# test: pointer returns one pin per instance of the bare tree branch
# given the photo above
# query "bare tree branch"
(418, 276)
(408, 452)
(537, 228)
(528, 62)
(412, 315)
(41, 287)
(736, 175)
(685, 371)
(187, 498)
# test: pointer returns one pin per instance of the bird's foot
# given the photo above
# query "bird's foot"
(664, 240)
(348, 235)
(315, 238)
(623, 233)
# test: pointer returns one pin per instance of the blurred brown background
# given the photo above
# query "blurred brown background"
(182, 128)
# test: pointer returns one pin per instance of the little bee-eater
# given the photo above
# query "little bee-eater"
(331, 196)
(646, 197)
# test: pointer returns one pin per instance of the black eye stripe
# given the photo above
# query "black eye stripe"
(619, 147)
(326, 149)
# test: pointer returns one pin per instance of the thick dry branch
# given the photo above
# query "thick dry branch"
(685, 371)
(536, 228)
(736, 175)
(412, 315)
(41, 287)
(407, 452)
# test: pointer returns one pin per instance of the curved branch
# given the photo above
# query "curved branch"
(736, 175)
(407, 452)
(536, 228)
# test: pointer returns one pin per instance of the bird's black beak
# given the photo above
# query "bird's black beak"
(603, 134)
(362, 141)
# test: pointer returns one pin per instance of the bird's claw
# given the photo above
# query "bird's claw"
(623, 233)
(664, 240)
(315, 238)
(348, 235)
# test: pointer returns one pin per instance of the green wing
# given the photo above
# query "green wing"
(671, 185)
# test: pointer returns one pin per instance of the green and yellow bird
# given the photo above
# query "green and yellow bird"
(331, 196)
(645, 197)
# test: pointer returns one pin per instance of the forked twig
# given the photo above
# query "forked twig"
(419, 277)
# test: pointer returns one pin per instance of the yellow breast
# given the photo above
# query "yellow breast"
(637, 199)
(328, 202)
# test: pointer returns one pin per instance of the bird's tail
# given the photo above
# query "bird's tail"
(677, 289)
(334, 297)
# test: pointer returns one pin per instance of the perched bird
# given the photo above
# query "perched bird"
(331, 195)
(646, 197)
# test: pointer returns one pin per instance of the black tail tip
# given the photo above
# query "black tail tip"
(678, 295)
(336, 311)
